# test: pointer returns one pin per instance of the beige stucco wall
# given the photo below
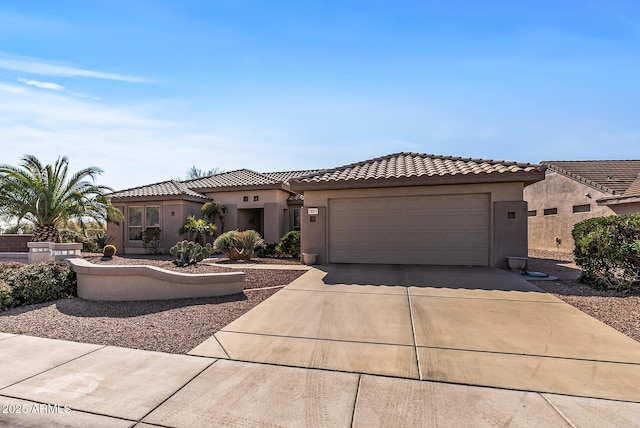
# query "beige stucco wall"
(173, 215)
(315, 235)
(553, 232)
(236, 197)
(273, 220)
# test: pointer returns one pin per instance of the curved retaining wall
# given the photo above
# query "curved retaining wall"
(137, 282)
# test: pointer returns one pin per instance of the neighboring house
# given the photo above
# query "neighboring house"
(413, 208)
(250, 200)
(576, 190)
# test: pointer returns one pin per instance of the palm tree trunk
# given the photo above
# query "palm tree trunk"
(47, 233)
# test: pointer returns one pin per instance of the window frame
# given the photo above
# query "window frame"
(143, 220)
(298, 217)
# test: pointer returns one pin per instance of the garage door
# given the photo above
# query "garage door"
(440, 230)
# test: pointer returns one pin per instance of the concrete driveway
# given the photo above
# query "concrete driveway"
(472, 326)
(348, 346)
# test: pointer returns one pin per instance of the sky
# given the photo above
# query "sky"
(144, 89)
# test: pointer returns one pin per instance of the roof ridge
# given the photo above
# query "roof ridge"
(431, 156)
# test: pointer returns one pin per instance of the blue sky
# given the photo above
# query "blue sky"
(145, 89)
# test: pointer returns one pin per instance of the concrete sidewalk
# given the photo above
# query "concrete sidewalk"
(349, 346)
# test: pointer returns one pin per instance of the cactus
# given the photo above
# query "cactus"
(109, 250)
(189, 253)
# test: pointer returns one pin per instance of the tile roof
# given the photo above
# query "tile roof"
(237, 178)
(409, 165)
(285, 176)
(165, 188)
(612, 176)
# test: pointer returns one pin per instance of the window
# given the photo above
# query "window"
(256, 198)
(136, 223)
(296, 219)
(532, 213)
(581, 208)
(152, 217)
(550, 211)
(245, 199)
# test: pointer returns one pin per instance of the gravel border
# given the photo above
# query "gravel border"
(618, 310)
(174, 326)
(177, 326)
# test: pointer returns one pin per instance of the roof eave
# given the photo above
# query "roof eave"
(160, 198)
(527, 177)
(619, 200)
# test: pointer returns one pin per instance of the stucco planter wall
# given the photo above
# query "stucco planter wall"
(138, 282)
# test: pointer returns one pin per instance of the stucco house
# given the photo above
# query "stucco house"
(576, 190)
(414, 208)
(404, 208)
(251, 200)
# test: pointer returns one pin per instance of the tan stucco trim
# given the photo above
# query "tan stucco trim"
(130, 282)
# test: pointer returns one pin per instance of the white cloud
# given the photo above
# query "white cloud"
(48, 68)
(44, 85)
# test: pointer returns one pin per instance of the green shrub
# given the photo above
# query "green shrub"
(607, 249)
(109, 250)
(40, 282)
(269, 250)
(290, 244)
(6, 296)
(238, 245)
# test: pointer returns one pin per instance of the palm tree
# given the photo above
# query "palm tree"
(198, 229)
(213, 210)
(48, 196)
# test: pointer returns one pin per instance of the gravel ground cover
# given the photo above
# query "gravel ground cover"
(618, 310)
(177, 326)
(174, 326)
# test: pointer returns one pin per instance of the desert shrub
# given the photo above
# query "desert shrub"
(151, 240)
(238, 245)
(88, 244)
(5, 266)
(189, 253)
(607, 249)
(225, 242)
(40, 282)
(290, 244)
(109, 250)
(102, 239)
(6, 296)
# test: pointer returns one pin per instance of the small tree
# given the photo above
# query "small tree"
(198, 229)
(213, 210)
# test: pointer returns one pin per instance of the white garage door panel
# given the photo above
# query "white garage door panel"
(447, 230)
